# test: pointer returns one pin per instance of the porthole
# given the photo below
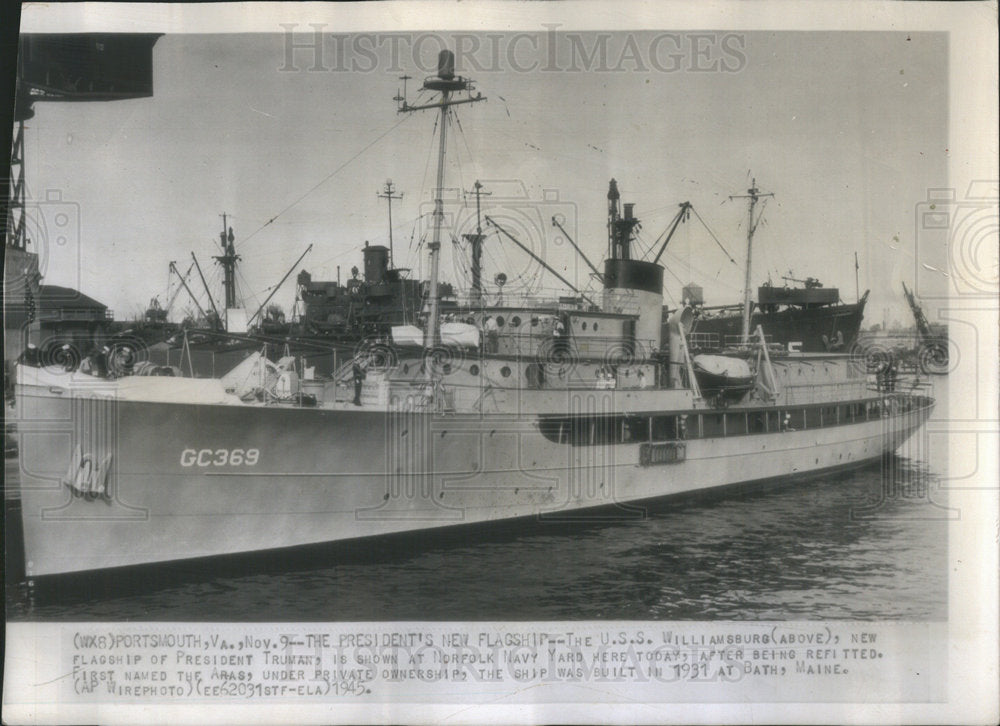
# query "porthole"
(505, 372)
(406, 368)
(584, 324)
(515, 321)
(499, 321)
(474, 369)
(595, 326)
(534, 322)
(446, 368)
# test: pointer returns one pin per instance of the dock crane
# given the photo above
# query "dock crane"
(932, 354)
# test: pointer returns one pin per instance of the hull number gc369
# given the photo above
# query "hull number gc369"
(220, 457)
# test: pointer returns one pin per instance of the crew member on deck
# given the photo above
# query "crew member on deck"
(29, 356)
(559, 337)
(492, 335)
(96, 364)
(358, 371)
(66, 355)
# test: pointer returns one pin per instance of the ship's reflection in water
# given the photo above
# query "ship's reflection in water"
(870, 544)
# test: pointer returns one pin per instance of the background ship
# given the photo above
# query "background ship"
(810, 318)
(366, 305)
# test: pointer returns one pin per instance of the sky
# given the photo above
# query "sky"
(848, 131)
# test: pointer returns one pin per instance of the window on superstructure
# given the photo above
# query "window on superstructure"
(555, 429)
(633, 429)
(773, 421)
(602, 430)
(736, 423)
(795, 418)
(713, 425)
(664, 428)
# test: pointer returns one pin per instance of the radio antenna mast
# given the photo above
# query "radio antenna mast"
(753, 194)
(446, 83)
(388, 195)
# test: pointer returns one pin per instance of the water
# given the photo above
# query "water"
(870, 544)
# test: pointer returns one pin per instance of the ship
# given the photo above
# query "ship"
(589, 409)
(368, 305)
(809, 318)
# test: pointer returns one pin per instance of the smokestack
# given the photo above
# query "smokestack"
(628, 209)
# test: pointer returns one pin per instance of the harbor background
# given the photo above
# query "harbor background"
(869, 544)
(839, 156)
(293, 143)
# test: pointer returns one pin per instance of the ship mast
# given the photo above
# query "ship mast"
(447, 83)
(753, 194)
(388, 195)
(228, 260)
(476, 242)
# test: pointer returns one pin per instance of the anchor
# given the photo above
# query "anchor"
(87, 477)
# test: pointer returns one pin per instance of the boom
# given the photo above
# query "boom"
(682, 215)
(276, 287)
(923, 327)
(539, 260)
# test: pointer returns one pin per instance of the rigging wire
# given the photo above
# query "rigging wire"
(430, 150)
(714, 237)
(325, 179)
(460, 262)
(452, 116)
(640, 243)
(465, 140)
(454, 141)
(246, 287)
(697, 272)
(674, 275)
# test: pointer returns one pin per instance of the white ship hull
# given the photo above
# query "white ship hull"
(172, 481)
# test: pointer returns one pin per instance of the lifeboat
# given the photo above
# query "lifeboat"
(725, 376)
